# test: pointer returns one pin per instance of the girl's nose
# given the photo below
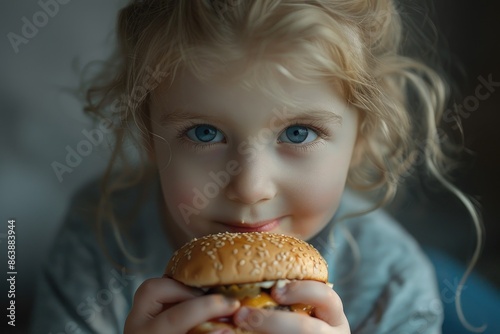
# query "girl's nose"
(253, 184)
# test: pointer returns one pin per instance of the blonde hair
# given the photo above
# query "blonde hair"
(353, 43)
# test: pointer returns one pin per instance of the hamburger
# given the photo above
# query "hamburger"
(246, 266)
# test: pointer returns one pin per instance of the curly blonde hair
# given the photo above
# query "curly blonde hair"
(354, 43)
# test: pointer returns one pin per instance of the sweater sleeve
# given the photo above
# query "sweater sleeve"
(387, 284)
(78, 290)
(408, 303)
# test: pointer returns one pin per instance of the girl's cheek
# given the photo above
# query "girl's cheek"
(181, 205)
(320, 203)
(182, 194)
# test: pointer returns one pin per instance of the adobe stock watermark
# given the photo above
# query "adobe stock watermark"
(249, 149)
(471, 103)
(31, 25)
(83, 148)
(449, 296)
(428, 316)
(425, 317)
(95, 137)
(417, 157)
(89, 308)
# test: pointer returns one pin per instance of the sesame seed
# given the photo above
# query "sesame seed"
(255, 271)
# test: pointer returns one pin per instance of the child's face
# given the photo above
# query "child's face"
(237, 160)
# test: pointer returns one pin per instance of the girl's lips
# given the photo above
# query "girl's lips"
(263, 226)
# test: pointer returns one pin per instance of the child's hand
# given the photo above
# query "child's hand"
(328, 310)
(162, 305)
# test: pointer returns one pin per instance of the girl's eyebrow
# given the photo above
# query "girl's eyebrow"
(319, 115)
(180, 115)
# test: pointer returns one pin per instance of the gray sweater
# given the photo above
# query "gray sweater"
(386, 283)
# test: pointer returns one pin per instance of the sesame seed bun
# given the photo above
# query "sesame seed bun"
(242, 258)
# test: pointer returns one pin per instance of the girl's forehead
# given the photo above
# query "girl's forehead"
(189, 97)
(276, 88)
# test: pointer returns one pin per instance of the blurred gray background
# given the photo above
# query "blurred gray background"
(39, 119)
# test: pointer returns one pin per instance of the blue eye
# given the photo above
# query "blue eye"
(205, 133)
(298, 134)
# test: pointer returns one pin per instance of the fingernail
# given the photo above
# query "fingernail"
(242, 315)
(232, 302)
(280, 292)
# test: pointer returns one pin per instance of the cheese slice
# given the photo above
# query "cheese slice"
(261, 300)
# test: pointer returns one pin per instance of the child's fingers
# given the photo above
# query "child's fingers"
(326, 302)
(274, 322)
(328, 311)
(190, 313)
(155, 294)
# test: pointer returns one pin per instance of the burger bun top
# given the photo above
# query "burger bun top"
(243, 258)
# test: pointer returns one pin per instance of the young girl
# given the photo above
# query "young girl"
(264, 115)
